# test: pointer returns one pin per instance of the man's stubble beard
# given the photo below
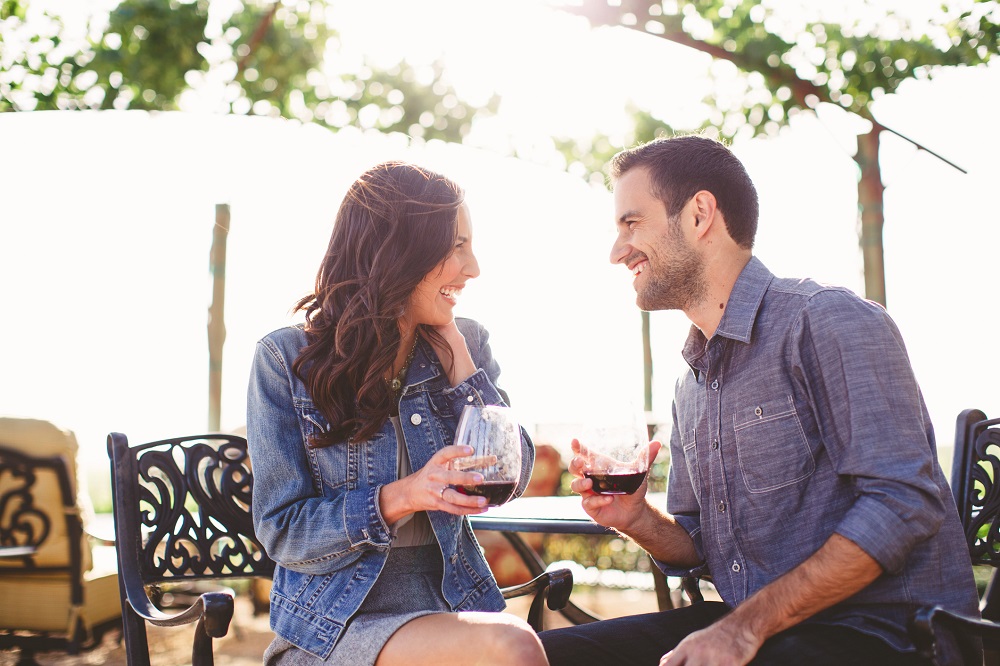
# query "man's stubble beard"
(675, 277)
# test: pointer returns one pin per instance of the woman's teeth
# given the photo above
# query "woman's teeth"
(451, 292)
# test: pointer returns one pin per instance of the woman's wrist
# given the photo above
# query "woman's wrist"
(393, 501)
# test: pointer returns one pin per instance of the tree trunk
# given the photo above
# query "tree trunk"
(871, 193)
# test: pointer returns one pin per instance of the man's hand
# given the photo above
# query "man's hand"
(722, 644)
(616, 511)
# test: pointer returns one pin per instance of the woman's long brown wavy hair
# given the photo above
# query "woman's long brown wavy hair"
(395, 225)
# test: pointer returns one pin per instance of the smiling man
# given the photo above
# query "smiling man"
(804, 476)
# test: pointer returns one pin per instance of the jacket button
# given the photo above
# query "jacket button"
(415, 419)
(736, 566)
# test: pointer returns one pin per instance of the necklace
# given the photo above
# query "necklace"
(396, 383)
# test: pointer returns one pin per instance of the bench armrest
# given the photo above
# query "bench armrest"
(949, 638)
(554, 587)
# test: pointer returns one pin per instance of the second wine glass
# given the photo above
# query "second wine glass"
(494, 435)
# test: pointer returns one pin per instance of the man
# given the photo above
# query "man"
(804, 476)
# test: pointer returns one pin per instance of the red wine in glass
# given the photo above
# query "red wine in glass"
(495, 492)
(616, 484)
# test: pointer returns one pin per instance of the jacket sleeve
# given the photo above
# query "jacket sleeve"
(482, 385)
(297, 526)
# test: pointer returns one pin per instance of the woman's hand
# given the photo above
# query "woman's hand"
(616, 511)
(463, 367)
(429, 489)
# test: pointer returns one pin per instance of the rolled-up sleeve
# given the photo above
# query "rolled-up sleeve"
(873, 424)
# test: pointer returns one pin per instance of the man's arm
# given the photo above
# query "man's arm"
(833, 573)
(657, 532)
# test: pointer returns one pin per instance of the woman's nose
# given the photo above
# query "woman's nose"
(472, 267)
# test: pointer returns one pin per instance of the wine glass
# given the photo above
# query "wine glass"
(494, 435)
(615, 447)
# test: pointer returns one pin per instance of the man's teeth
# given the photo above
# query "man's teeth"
(639, 268)
(451, 292)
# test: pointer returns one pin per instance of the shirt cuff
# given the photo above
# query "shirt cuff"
(875, 529)
(365, 525)
(477, 389)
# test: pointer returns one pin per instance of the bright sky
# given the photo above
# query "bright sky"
(107, 222)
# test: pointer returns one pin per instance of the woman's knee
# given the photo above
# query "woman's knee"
(512, 642)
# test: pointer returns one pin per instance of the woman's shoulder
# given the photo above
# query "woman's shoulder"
(287, 338)
(467, 326)
(475, 334)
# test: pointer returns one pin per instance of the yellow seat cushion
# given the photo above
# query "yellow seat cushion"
(41, 601)
(39, 438)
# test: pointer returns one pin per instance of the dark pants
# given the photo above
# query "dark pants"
(641, 640)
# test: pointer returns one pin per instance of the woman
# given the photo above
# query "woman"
(351, 418)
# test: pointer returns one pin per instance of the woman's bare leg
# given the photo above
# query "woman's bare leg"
(468, 639)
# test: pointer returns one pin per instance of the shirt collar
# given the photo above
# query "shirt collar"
(738, 319)
(744, 301)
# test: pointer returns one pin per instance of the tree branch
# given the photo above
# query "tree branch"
(257, 37)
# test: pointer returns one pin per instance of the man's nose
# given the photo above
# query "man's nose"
(619, 251)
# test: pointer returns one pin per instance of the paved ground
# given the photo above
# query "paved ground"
(250, 635)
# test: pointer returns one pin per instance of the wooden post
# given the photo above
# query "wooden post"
(216, 318)
(647, 374)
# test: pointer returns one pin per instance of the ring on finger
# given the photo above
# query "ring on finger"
(441, 493)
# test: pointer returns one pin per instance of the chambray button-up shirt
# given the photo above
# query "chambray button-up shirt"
(801, 418)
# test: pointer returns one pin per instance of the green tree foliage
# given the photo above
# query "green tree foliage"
(792, 58)
(272, 57)
(795, 55)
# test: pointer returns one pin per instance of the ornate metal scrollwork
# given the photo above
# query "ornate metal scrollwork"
(194, 501)
(984, 499)
(21, 522)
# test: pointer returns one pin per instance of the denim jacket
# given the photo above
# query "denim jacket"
(316, 510)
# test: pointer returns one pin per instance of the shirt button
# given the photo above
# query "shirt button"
(722, 507)
(415, 419)
(715, 444)
(715, 384)
(470, 398)
(454, 558)
(736, 566)
(758, 411)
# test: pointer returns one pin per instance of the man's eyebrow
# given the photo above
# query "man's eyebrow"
(628, 214)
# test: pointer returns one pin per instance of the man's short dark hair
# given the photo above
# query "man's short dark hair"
(681, 166)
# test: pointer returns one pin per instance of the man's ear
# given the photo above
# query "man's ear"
(704, 208)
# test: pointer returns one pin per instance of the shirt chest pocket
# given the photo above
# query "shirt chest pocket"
(771, 445)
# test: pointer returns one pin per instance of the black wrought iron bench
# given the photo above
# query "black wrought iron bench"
(57, 587)
(182, 511)
(946, 637)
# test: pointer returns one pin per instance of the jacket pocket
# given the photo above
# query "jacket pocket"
(333, 463)
(771, 445)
